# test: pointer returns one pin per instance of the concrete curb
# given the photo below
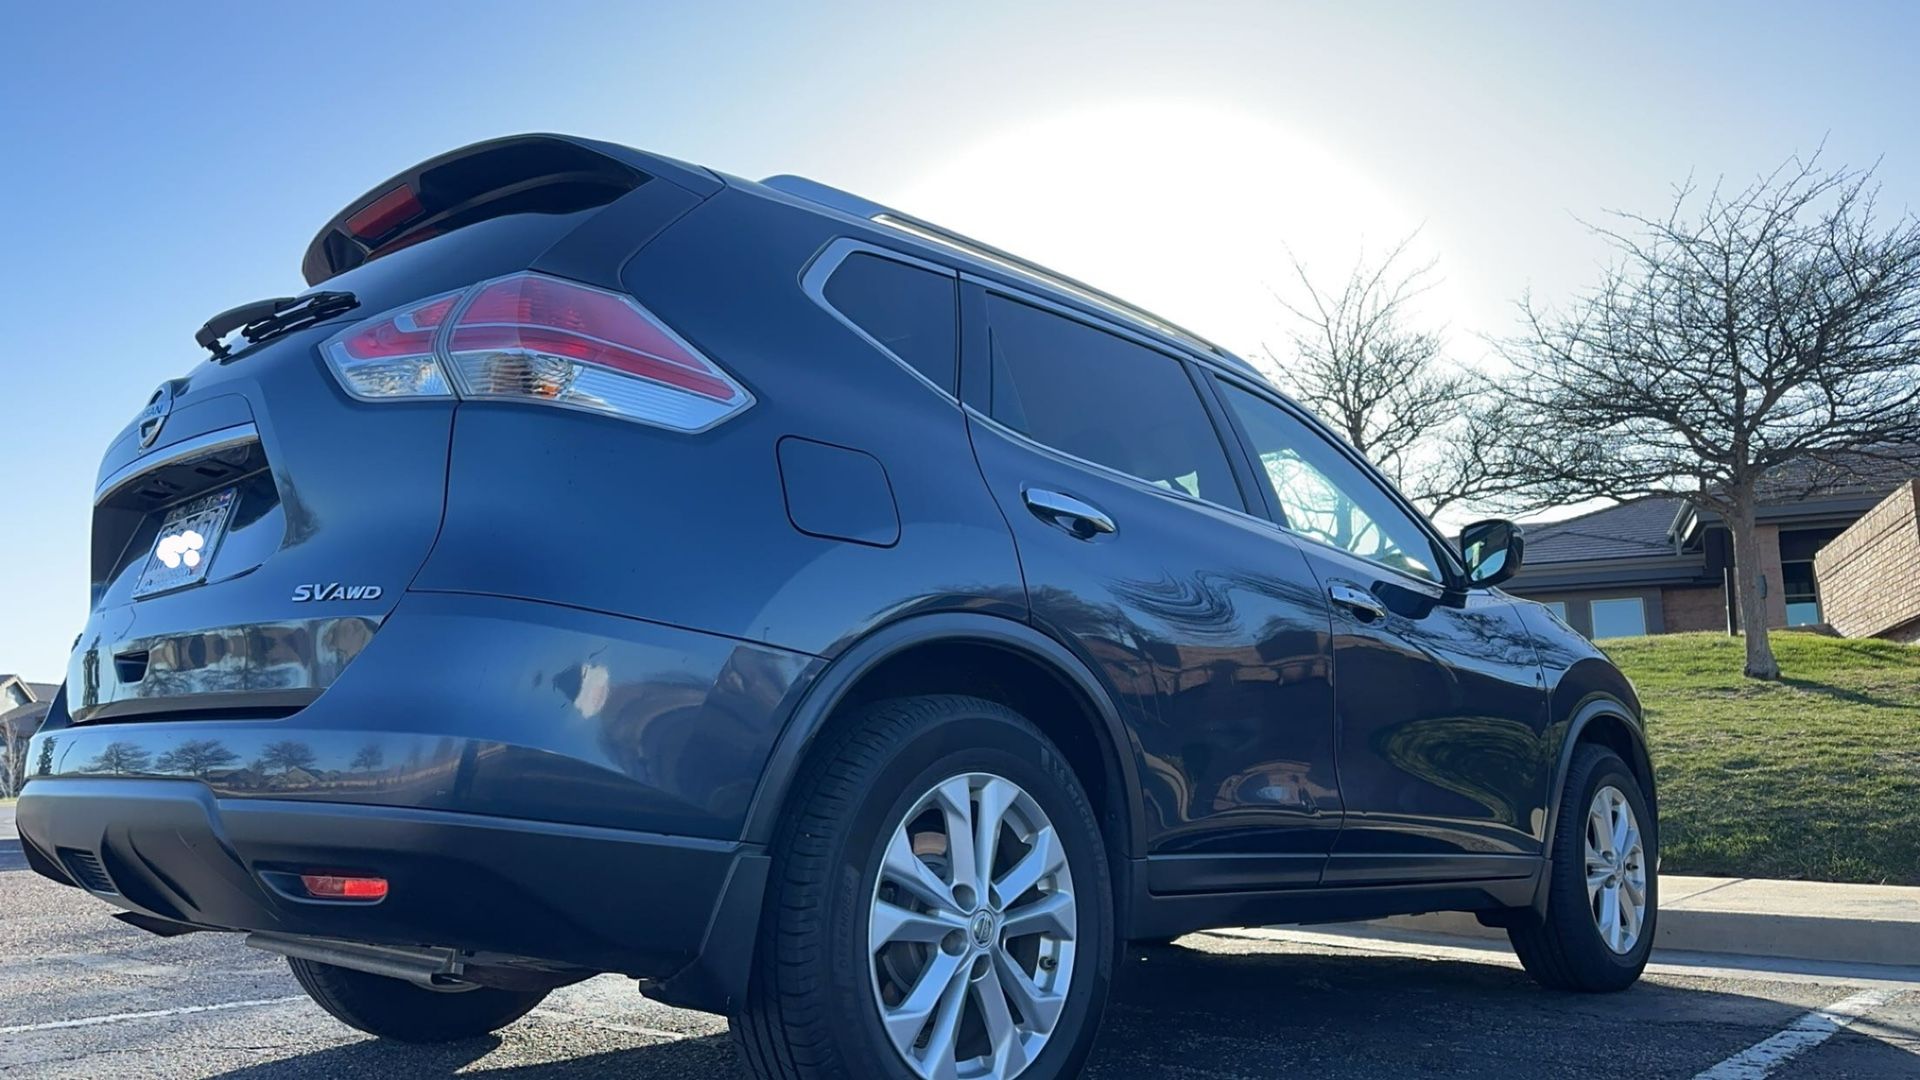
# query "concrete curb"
(1800, 920)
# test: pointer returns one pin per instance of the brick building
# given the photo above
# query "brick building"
(1660, 565)
(1870, 574)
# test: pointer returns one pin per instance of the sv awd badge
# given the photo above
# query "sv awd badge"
(334, 590)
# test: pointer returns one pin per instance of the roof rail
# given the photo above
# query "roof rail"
(849, 203)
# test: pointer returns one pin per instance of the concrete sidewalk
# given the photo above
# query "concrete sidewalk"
(1801, 920)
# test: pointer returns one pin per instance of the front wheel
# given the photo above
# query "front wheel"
(1603, 899)
(940, 906)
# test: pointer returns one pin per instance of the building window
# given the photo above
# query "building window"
(1558, 607)
(1625, 617)
(1802, 593)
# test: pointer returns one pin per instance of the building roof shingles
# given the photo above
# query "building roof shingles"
(1630, 530)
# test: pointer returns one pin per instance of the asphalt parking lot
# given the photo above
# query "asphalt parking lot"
(83, 995)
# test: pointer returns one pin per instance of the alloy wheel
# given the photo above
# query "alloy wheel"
(971, 930)
(1616, 870)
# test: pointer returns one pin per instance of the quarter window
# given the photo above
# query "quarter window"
(1321, 493)
(911, 312)
(1105, 399)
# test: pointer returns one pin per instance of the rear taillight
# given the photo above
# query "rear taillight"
(394, 355)
(538, 339)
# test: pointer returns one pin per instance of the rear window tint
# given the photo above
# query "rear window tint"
(1105, 399)
(910, 312)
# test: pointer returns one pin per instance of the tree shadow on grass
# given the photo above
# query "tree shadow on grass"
(1852, 697)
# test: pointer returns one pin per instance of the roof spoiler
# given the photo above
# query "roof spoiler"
(542, 173)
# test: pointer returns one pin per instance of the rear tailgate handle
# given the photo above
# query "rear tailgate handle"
(1080, 519)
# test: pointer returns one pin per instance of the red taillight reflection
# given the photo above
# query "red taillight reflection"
(339, 887)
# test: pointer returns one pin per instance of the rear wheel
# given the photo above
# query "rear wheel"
(398, 1010)
(940, 906)
(1603, 900)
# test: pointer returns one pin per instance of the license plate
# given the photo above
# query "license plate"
(184, 549)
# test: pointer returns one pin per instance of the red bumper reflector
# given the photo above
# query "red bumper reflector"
(335, 887)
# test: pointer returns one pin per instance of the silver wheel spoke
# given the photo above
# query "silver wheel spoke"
(942, 980)
(892, 923)
(997, 796)
(1051, 914)
(1009, 1052)
(905, 869)
(1043, 859)
(1597, 873)
(1622, 826)
(1610, 916)
(939, 1055)
(1041, 1009)
(956, 805)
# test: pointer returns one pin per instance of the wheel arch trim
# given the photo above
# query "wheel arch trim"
(1596, 706)
(842, 674)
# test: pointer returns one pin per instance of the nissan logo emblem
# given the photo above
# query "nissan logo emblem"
(154, 416)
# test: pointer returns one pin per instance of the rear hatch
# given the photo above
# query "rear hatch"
(257, 521)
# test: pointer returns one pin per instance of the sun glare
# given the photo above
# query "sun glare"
(1186, 208)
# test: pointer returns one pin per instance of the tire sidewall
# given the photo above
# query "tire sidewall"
(1582, 936)
(984, 742)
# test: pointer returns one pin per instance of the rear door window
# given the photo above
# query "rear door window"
(910, 312)
(1104, 399)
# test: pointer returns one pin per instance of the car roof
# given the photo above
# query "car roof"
(976, 257)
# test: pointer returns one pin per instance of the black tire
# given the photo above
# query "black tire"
(810, 1012)
(398, 1010)
(1565, 951)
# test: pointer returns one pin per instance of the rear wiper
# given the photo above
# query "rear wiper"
(263, 319)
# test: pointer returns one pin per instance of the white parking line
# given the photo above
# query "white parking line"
(157, 1014)
(1762, 1058)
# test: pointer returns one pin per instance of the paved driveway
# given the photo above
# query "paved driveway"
(84, 996)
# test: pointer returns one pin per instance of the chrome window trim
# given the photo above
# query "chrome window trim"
(1105, 324)
(195, 446)
(820, 270)
(1015, 265)
(1118, 474)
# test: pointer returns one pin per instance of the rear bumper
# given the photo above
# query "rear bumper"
(678, 912)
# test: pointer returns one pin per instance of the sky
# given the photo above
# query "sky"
(164, 162)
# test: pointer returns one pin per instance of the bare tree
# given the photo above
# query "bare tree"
(1749, 341)
(1361, 363)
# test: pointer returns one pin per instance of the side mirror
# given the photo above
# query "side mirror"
(1493, 550)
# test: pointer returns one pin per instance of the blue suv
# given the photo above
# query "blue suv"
(824, 619)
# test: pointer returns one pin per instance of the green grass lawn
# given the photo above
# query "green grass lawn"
(1817, 776)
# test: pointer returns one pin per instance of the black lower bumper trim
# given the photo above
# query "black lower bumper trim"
(642, 904)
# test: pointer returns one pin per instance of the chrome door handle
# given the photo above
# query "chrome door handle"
(1081, 519)
(1362, 604)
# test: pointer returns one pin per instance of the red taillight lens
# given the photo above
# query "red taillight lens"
(392, 355)
(338, 887)
(535, 338)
